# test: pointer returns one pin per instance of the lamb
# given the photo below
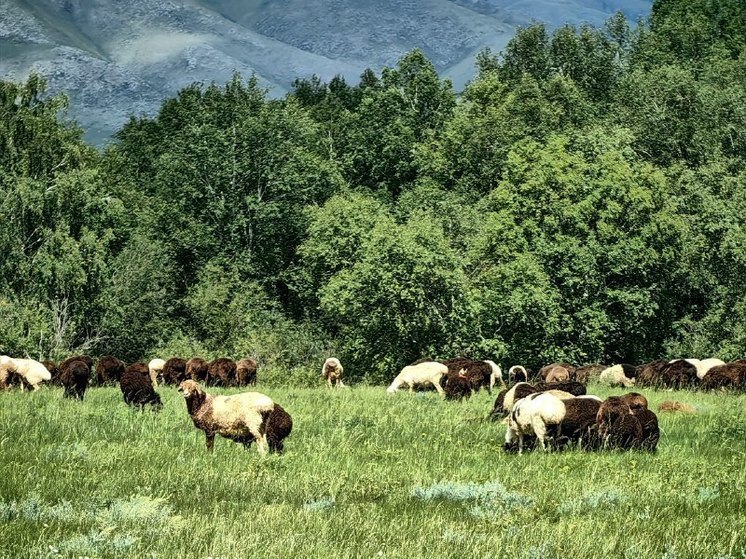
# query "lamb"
(458, 386)
(109, 370)
(221, 372)
(174, 370)
(243, 418)
(75, 379)
(137, 387)
(614, 376)
(428, 372)
(533, 416)
(155, 370)
(31, 372)
(517, 373)
(332, 371)
(196, 369)
(558, 374)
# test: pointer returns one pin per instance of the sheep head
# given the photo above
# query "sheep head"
(190, 388)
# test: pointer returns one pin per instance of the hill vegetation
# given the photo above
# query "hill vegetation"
(582, 201)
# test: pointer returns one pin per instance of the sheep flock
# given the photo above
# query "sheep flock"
(548, 409)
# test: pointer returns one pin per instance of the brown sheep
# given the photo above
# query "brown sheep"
(332, 371)
(578, 422)
(679, 374)
(246, 372)
(137, 387)
(611, 410)
(650, 431)
(625, 433)
(588, 372)
(544, 371)
(731, 375)
(174, 371)
(54, 371)
(481, 374)
(196, 369)
(75, 379)
(221, 372)
(109, 370)
(558, 374)
(458, 386)
(649, 374)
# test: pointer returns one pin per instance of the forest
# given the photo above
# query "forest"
(582, 200)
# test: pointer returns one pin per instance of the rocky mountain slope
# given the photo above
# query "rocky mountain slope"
(120, 58)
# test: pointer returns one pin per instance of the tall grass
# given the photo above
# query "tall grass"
(364, 474)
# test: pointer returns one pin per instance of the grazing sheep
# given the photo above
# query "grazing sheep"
(517, 373)
(244, 418)
(625, 433)
(731, 375)
(533, 416)
(75, 379)
(544, 371)
(53, 370)
(613, 408)
(649, 374)
(558, 374)
(705, 365)
(221, 372)
(680, 373)
(174, 371)
(332, 371)
(30, 372)
(155, 370)
(137, 387)
(196, 369)
(109, 370)
(458, 386)
(428, 372)
(672, 405)
(507, 398)
(577, 425)
(246, 372)
(650, 431)
(66, 363)
(614, 376)
(635, 401)
(588, 372)
(480, 373)
(573, 387)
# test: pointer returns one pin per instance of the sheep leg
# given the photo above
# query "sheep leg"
(438, 388)
(261, 442)
(210, 441)
(540, 430)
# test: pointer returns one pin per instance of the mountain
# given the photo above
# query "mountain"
(116, 59)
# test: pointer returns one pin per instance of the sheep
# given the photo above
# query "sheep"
(544, 371)
(53, 370)
(614, 376)
(679, 373)
(517, 373)
(196, 369)
(66, 363)
(705, 365)
(109, 369)
(136, 384)
(532, 416)
(573, 387)
(578, 423)
(610, 410)
(587, 372)
(480, 373)
(155, 369)
(558, 374)
(244, 418)
(30, 372)
(221, 372)
(507, 398)
(650, 430)
(428, 372)
(458, 386)
(730, 375)
(75, 379)
(246, 372)
(174, 370)
(332, 371)
(649, 374)
(625, 433)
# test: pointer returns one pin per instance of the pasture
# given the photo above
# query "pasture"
(364, 474)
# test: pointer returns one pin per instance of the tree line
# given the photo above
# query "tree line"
(582, 200)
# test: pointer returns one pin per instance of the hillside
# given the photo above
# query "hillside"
(116, 59)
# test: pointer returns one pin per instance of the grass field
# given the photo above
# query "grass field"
(364, 474)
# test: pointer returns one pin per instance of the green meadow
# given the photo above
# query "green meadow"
(364, 474)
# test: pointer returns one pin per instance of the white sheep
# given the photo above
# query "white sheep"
(155, 368)
(614, 376)
(31, 372)
(704, 366)
(244, 417)
(497, 374)
(332, 372)
(531, 416)
(428, 372)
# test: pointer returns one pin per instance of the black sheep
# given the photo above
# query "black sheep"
(75, 379)
(174, 371)
(109, 370)
(137, 387)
